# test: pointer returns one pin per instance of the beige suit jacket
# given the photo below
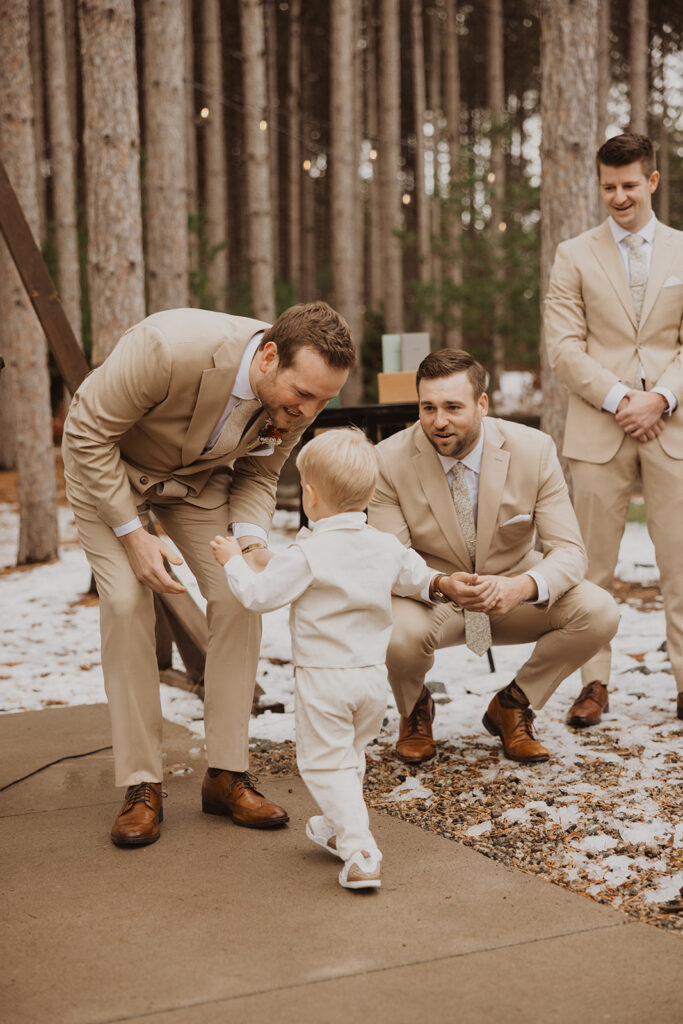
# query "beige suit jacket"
(593, 338)
(144, 416)
(520, 477)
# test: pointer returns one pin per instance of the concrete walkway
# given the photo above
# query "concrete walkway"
(217, 923)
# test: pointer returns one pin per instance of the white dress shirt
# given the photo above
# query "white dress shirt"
(472, 465)
(619, 234)
(241, 392)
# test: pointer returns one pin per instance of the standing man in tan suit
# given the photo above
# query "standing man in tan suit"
(472, 495)
(613, 331)
(191, 417)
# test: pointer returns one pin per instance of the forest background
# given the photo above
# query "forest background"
(414, 162)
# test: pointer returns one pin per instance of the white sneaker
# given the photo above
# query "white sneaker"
(319, 832)
(362, 870)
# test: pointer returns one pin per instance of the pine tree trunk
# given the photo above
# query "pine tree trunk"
(295, 184)
(165, 179)
(496, 104)
(63, 164)
(25, 350)
(215, 165)
(639, 53)
(453, 267)
(71, 43)
(419, 108)
(374, 262)
(344, 182)
(256, 137)
(112, 170)
(603, 67)
(390, 165)
(569, 35)
(273, 130)
(191, 173)
(36, 53)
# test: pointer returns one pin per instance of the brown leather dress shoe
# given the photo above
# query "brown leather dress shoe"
(415, 741)
(233, 793)
(679, 706)
(515, 728)
(588, 707)
(137, 823)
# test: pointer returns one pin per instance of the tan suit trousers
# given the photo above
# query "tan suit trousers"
(572, 630)
(129, 664)
(602, 494)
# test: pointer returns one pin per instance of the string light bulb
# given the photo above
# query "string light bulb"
(491, 177)
(204, 113)
(405, 199)
(373, 154)
(502, 226)
(263, 125)
(307, 165)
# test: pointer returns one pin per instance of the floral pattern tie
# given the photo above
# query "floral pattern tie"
(637, 268)
(477, 624)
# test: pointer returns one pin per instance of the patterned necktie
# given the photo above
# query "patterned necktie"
(233, 429)
(477, 624)
(637, 268)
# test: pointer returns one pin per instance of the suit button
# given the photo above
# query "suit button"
(144, 479)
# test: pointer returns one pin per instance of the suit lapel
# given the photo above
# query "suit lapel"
(494, 469)
(435, 486)
(660, 265)
(214, 391)
(607, 254)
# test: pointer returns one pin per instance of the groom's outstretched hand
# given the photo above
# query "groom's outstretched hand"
(146, 553)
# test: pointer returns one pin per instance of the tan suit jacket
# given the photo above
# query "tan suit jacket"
(144, 416)
(520, 477)
(593, 338)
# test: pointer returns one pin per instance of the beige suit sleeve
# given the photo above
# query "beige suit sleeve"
(564, 560)
(565, 333)
(133, 379)
(384, 512)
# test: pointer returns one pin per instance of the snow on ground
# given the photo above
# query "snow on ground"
(50, 656)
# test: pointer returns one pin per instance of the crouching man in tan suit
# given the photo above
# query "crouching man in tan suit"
(471, 495)
(614, 331)
(191, 417)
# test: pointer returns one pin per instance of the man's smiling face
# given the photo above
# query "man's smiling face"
(627, 194)
(300, 391)
(450, 415)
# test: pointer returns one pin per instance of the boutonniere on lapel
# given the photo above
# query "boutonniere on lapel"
(269, 436)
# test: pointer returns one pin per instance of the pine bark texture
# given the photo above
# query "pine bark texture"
(191, 172)
(63, 164)
(165, 151)
(452, 104)
(215, 165)
(344, 181)
(603, 68)
(25, 350)
(374, 259)
(496, 103)
(273, 129)
(639, 52)
(36, 52)
(295, 185)
(258, 160)
(569, 35)
(112, 170)
(419, 110)
(390, 165)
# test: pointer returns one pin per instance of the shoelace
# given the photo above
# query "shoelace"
(245, 780)
(420, 719)
(525, 723)
(140, 794)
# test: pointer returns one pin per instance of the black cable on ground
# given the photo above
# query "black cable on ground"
(67, 757)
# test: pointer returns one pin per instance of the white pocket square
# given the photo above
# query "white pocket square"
(523, 517)
(671, 281)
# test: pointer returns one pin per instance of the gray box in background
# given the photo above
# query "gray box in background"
(414, 347)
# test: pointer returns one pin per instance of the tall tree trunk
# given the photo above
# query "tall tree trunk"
(36, 52)
(71, 43)
(63, 165)
(422, 210)
(496, 104)
(295, 184)
(452, 95)
(273, 130)
(191, 174)
(112, 170)
(215, 164)
(256, 138)
(568, 67)
(26, 351)
(165, 179)
(374, 260)
(639, 53)
(390, 165)
(604, 76)
(344, 182)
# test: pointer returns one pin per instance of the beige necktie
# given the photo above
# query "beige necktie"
(234, 428)
(477, 624)
(637, 269)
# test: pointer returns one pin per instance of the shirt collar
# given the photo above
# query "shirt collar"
(341, 521)
(648, 232)
(242, 388)
(472, 460)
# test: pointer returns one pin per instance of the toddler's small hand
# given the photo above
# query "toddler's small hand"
(224, 548)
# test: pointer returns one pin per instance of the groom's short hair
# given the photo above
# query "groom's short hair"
(621, 150)
(447, 361)
(312, 325)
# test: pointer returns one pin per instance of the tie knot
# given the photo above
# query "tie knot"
(634, 242)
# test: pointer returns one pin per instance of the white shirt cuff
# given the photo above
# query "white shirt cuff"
(248, 530)
(134, 524)
(669, 395)
(543, 593)
(424, 593)
(614, 396)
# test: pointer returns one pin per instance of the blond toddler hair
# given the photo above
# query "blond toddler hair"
(341, 464)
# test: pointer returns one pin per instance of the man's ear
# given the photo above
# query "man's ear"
(654, 182)
(484, 404)
(267, 357)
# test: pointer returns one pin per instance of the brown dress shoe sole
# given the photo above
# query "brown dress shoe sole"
(415, 760)
(139, 840)
(221, 811)
(492, 728)
(577, 722)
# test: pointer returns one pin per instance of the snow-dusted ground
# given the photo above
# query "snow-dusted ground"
(50, 656)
